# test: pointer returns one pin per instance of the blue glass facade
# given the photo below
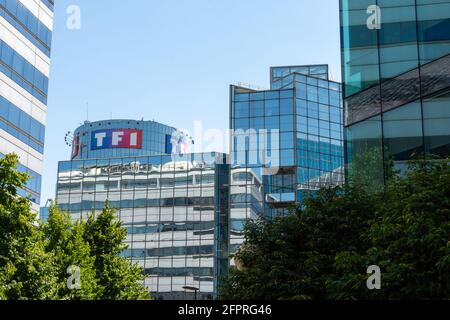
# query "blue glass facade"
(286, 143)
(174, 207)
(23, 72)
(21, 125)
(21, 18)
(25, 45)
(154, 139)
(44, 214)
(279, 73)
(396, 83)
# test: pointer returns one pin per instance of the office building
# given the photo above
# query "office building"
(286, 143)
(396, 74)
(174, 205)
(25, 43)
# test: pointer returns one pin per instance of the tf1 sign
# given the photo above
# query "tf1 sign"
(116, 138)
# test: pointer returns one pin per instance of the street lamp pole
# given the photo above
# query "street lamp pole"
(195, 289)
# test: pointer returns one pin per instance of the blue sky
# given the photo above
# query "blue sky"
(173, 60)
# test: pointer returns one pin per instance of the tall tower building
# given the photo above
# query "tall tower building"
(396, 74)
(25, 42)
(174, 204)
(287, 142)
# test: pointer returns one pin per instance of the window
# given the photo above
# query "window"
(313, 93)
(287, 123)
(272, 107)
(403, 131)
(286, 106)
(335, 99)
(241, 109)
(323, 96)
(302, 124)
(302, 107)
(301, 91)
(313, 126)
(272, 123)
(436, 113)
(313, 110)
(287, 140)
(241, 124)
(257, 123)
(324, 112)
(287, 157)
(256, 108)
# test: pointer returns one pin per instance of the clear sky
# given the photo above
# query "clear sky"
(173, 60)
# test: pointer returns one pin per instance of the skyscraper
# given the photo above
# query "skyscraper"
(174, 206)
(25, 42)
(396, 74)
(286, 143)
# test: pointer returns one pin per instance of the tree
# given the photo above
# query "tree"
(292, 257)
(118, 279)
(2, 286)
(66, 241)
(323, 250)
(28, 270)
(34, 257)
(410, 240)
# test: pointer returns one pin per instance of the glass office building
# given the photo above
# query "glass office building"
(396, 73)
(174, 205)
(286, 143)
(25, 43)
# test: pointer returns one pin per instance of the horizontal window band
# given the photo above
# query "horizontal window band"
(20, 136)
(22, 120)
(23, 73)
(49, 4)
(42, 45)
(21, 130)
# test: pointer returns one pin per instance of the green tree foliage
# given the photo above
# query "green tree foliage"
(34, 258)
(323, 250)
(28, 270)
(118, 278)
(66, 241)
(409, 240)
(292, 257)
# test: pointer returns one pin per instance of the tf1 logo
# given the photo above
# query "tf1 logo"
(116, 138)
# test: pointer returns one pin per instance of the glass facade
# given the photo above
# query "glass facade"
(44, 214)
(154, 139)
(174, 207)
(25, 45)
(286, 143)
(277, 73)
(396, 82)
